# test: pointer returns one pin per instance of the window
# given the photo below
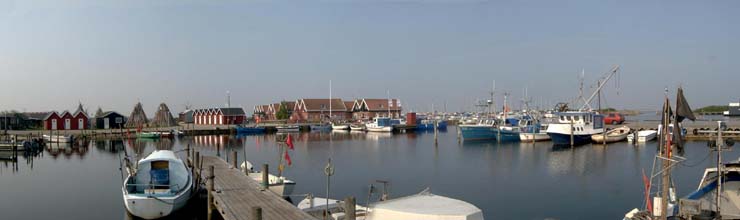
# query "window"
(576, 118)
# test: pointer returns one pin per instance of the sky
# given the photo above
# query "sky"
(429, 53)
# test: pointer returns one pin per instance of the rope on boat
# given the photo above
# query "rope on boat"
(698, 163)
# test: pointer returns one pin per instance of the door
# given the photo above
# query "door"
(106, 123)
(80, 124)
(53, 124)
(67, 124)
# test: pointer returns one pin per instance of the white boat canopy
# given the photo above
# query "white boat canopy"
(425, 205)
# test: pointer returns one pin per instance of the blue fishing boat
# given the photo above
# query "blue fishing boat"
(428, 124)
(321, 127)
(483, 130)
(249, 130)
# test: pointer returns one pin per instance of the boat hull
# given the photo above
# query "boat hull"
(506, 135)
(564, 139)
(340, 127)
(143, 206)
(532, 137)
(380, 129)
(250, 130)
(470, 133)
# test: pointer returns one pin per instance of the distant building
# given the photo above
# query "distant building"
(20, 121)
(269, 112)
(110, 120)
(318, 110)
(219, 116)
(186, 116)
(366, 109)
(79, 120)
(733, 109)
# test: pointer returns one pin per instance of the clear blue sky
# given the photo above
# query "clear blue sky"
(113, 53)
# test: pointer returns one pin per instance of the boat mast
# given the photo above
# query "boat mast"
(330, 101)
(492, 103)
(388, 94)
(666, 162)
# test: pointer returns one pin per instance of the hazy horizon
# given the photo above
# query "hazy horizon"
(55, 54)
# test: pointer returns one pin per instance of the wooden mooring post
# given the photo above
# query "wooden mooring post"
(571, 133)
(265, 177)
(234, 160)
(349, 208)
(211, 191)
(256, 213)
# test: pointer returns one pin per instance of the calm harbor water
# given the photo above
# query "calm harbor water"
(507, 181)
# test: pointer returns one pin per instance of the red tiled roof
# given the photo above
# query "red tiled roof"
(323, 104)
(348, 105)
(381, 104)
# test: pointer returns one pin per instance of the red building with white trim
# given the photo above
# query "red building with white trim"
(219, 116)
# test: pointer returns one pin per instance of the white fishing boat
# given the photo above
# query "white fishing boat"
(424, 205)
(614, 135)
(288, 128)
(380, 124)
(278, 184)
(58, 138)
(159, 185)
(576, 127)
(642, 136)
(357, 127)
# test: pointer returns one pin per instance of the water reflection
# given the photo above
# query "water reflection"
(503, 179)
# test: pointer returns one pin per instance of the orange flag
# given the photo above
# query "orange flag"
(289, 142)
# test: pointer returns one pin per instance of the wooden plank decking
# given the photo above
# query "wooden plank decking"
(236, 194)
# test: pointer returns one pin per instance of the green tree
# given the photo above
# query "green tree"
(282, 113)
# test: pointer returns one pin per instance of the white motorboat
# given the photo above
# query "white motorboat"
(380, 124)
(642, 136)
(357, 127)
(58, 138)
(614, 135)
(424, 205)
(278, 184)
(534, 137)
(540, 134)
(288, 128)
(339, 126)
(159, 185)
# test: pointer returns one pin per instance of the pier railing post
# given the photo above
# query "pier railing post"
(265, 177)
(256, 213)
(234, 160)
(349, 208)
(209, 186)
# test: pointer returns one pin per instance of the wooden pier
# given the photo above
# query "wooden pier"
(237, 196)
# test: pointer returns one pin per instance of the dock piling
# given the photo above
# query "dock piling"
(256, 213)
(571, 133)
(265, 177)
(209, 186)
(234, 160)
(349, 208)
